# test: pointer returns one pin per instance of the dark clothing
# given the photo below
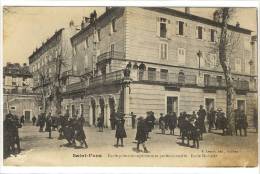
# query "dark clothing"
(100, 121)
(201, 120)
(172, 121)
(34, 120)
(48, 123)
(211, 119)
(120, 129)
(150, 122)
(141, 134)
(22, 120)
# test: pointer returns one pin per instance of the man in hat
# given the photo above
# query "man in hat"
(201, 118)
(172, 122)
(200, 122)
(141, 134)
(150, 119)
(211, 118)
(162, 123)
(7, 131)
(120, 129)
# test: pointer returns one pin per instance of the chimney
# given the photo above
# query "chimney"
(238, 25)
(187, 10)
(216, 16)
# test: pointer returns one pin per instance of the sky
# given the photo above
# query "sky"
(25, 28)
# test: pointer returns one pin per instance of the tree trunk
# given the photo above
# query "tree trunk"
(225, 63)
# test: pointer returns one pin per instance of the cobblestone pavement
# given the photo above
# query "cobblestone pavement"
(165, 150)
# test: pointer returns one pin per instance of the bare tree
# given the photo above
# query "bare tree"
(228, 41)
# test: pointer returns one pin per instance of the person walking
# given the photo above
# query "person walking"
(201, 119)
(34, 120)
(211, 118)
(49, 124)
(120, 130)
(162, 123)
(172, 122)
(141, 135)
(22, 120)
(100, 123)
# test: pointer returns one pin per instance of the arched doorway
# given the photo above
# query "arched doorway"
(112, 108)
(93, 106)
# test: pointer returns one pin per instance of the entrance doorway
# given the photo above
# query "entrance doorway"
(209, 103)
(241, 104)
(27, 115)
(172, 104)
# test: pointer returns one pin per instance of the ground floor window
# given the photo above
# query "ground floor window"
(241, 104)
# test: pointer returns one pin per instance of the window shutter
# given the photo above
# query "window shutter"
(111, 29)
(169, 29)
(177, 27)
(158, 26)
(196, 32)
(185, 29)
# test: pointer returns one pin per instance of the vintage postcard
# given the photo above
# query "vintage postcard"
(130, 86)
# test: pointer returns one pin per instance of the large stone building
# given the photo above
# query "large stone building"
(173, 62)
(17, 91)
(53, 57)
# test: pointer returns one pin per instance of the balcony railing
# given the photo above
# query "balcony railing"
(66, 73)
(110, 55)
(169, 78)
(221, 83)
(98, 80)
(241, 85)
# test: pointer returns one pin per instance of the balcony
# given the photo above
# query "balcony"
(110, 55)
(213, 82)
(167, 78)
(66, 73)
(98, 80)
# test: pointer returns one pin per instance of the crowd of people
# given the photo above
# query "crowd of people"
(191, 126)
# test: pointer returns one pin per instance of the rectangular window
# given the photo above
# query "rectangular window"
(164, 74)
(181, 28)
(13, 108)
(199, 32)
(172, 104)
(212, 35)
(81, 109)
(113, 25)
(74, 51)
(163, 50)
(99, 36)
(181, 55)
(163, 29)
(219, 80)
(152, 74)
(206, 79)
(86, 43)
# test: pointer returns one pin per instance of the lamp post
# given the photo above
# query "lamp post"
(199, 54)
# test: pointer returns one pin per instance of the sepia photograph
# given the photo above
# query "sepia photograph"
(130, 86)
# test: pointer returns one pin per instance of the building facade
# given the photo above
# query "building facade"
(52, 58)
(173, 65)
(17, 91)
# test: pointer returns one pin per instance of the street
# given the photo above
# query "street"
(165, 150)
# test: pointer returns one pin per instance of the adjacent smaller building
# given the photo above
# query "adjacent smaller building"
(17, 88)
